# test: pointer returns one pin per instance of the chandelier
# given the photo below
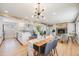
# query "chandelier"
(38, 14)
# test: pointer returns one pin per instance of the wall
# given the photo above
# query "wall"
(71, 28)
(77, 28)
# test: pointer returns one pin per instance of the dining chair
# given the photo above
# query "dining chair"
(51, 47)
(77, 39)
(48, 48)
(72, 37)
(65, 38)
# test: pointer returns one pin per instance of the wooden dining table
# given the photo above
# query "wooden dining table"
(42, 42)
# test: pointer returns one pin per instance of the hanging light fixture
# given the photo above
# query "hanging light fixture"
(38, 14)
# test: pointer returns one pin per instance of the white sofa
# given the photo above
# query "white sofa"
(23, 37)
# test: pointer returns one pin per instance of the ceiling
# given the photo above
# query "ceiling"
(54, 12)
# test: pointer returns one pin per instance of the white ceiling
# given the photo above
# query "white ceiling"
(54, 12)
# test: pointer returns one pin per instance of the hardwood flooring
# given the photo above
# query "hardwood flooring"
(70, 49)
(11, 47)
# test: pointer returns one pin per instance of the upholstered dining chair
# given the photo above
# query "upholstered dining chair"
(51, 47)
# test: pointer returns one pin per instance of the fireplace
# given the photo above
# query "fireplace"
(61, 31)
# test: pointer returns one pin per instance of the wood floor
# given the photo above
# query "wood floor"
(11, 47)
(70, 49)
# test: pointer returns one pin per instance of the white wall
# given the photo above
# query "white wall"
(77, 28)
(71, 28)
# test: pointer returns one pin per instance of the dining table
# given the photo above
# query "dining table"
(37, 42)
